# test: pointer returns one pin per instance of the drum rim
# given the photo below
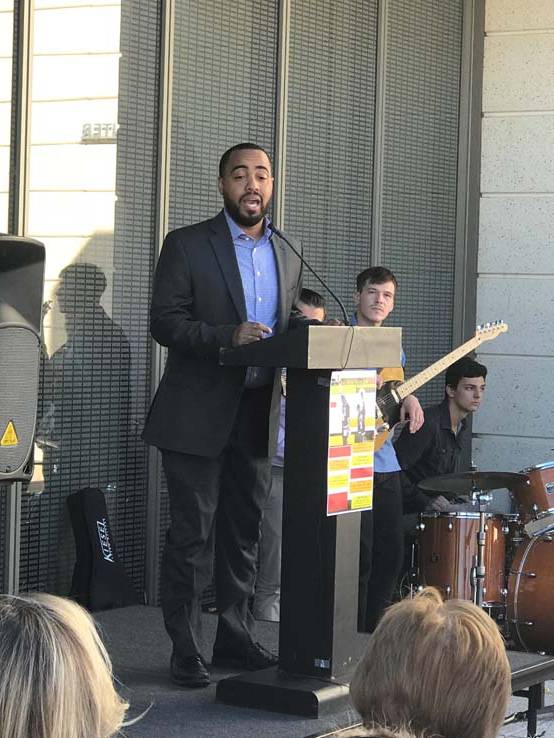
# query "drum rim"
(460, 514)
(546, 465)
(545, 513)
(526, 546)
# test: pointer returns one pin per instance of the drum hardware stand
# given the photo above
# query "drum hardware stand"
(537, 708)
(483, 499)
(413, 573)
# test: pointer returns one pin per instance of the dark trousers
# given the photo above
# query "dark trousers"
(381, 550)
(216, 505)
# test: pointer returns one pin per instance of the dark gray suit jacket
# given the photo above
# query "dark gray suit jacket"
(197, 303)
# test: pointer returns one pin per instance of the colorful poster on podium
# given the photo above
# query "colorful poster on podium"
(351, 441)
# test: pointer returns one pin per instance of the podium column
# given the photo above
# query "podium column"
(319, 645)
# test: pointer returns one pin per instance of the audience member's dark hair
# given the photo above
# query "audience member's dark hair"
(238, 147)
(464, 367)
(375, 275)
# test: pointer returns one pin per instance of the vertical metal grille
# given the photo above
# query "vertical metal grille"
(330, 137)
(421, 105)
(223, 93)
(96, 384)
(134, 238)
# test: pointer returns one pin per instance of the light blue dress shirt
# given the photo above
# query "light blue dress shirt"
(384, 460)
(260, 283)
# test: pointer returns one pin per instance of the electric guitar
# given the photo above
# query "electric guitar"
(394, 390)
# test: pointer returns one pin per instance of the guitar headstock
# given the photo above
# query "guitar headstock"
(488, 331)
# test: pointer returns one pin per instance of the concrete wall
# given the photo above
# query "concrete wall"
(515, 427)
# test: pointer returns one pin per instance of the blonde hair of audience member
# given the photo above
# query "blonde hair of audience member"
(434, 668)
(55, 678)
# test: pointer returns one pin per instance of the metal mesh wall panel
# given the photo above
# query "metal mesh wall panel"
(330, 137)
(224, 90)
(134, 257)
(96, 386)
(421, 106)
(223, 93)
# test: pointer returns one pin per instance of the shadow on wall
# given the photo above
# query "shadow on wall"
(83, 425)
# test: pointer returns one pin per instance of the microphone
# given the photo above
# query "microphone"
(280, 234)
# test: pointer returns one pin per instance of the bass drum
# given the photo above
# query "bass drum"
(531, 595)
(448, 554)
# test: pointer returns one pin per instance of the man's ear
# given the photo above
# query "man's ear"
(220, 185)
(449, 391)
(356, 298)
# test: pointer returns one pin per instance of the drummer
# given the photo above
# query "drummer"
(436, 448)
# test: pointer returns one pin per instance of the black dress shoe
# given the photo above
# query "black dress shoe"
(254, 657)
(189, 672)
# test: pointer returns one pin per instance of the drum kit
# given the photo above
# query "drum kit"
(503, 563)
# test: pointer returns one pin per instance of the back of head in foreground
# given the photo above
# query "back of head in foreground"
(55, 678)
(434, 668)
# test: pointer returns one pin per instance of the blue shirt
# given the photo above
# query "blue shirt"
(384, 460)
(260, 283)
(258, 272)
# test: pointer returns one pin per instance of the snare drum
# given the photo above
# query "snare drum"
(448, 554)
(535, 497)
(531, 595)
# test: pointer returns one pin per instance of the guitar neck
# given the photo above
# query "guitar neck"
(418, 380)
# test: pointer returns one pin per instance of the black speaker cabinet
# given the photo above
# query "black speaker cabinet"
(21, 286)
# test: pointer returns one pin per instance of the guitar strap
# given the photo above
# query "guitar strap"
(99, 580)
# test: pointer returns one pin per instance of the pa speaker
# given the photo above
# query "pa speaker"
(21, 286)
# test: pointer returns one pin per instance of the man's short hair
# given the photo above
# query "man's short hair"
(238, 147)
(434, 668)
(464, 367)
(312, 298)
(375, 275)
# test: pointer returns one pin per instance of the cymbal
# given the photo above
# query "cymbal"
(466, 482)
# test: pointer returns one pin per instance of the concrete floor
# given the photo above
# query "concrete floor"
(140, 651)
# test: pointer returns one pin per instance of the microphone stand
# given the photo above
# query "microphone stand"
(280, 234)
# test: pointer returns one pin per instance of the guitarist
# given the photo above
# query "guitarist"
(437, 446)
(381, 536)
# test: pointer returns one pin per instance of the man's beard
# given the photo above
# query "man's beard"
(244, 220)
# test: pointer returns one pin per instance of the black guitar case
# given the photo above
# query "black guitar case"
(99, 579)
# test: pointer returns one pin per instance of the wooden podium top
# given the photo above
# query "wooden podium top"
(322, 347)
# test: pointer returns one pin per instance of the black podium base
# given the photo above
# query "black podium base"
(272, 689)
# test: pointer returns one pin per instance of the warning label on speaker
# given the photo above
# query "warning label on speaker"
(9, 437)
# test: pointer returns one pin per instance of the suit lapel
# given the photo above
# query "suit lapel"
(279, 249)
(222, 244)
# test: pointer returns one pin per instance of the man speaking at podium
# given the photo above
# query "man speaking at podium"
(224, 282)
